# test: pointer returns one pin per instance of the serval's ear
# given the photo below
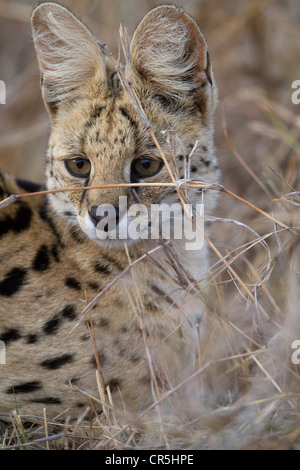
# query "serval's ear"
(169, 55)
(68, 54)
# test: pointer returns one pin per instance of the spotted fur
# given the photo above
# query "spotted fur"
(53, 265)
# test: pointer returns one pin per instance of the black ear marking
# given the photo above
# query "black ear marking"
(208, 69)
(167, 102)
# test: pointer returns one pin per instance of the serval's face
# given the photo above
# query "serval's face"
(98, 137)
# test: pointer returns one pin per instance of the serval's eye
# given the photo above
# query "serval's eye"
(146, 167)
(79, 167)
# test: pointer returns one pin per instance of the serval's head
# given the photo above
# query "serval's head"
(97, 134)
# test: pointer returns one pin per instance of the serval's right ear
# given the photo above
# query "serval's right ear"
(169, 56)
(68, 54)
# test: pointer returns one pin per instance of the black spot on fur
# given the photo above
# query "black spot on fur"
(12, 282)
(114, 384)
(31, 339)
(73, 283)
(68, 214)
(19, 223)
(26, 387)
(77, 236)
(46, 218)
(152, 307)
(54, 253)
(162, 294)
(69, 312)
(48, 401)
(57, 362)
(75, 380)
(5, 225)
(10, 335)
(97, 112)
(29, 186)
(206, 162)
(125, 114)
(150, 144)
(103, 322)
(194, 169)
(85, 338)
(124, 328)
(135, 358)
(94, 285)
(22, 218)
(52, 325)
(102, 268)
(114, 262)
(122, 351)
(41, 261)
(3, 185)
(146, 380)
(84, 192)
(102, 359)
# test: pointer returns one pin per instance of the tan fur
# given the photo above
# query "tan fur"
(52, 264)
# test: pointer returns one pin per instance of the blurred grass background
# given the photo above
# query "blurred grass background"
(255, 50)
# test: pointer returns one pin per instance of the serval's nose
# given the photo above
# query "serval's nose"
(96, 218)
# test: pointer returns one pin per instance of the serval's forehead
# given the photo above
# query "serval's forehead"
(111, 129)
(106, 127)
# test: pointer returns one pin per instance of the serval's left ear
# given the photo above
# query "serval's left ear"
(169, 54)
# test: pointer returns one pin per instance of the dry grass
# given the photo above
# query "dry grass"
(250, 389)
